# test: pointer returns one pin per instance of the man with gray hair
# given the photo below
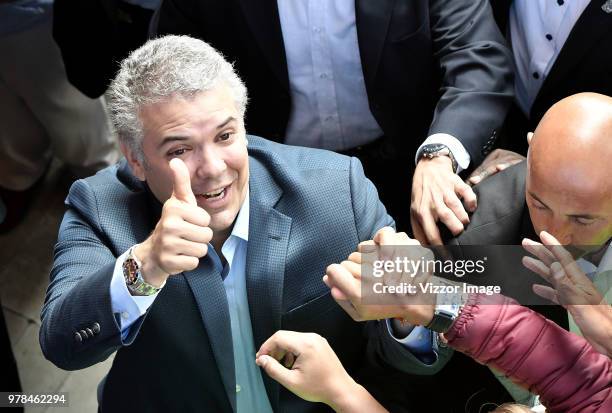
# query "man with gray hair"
(187, 255)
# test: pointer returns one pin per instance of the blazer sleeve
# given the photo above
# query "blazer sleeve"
(78, 297)
(477, 75)
(370, 216)
(563, 368)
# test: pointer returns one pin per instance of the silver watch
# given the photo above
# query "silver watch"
(133, 276)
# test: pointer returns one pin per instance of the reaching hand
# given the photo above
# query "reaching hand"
(345, 281)
(572, 289)
(181, 235)
(306, 365)
(495, 162)
(436, 196)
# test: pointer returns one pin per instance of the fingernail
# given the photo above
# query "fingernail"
(475, 179)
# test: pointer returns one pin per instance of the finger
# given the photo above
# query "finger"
(342, 279)
(384, 236)
(564, 257)
(546, 292)
(431, 231)
(185, 248)
(353, 268)
(355, 257)
(194, 215)
(417, 230)
(539, 250)
(368, 246)
(448, 218)
(275, 370)
(454, 204)
(181, 189)
(175, 264)
(335, 292)
(194, 233)
(282, 341)
(538, 267)
(468, 195)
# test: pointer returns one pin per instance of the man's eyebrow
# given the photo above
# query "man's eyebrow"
(225, 122)
(538, 199)
(169, 139)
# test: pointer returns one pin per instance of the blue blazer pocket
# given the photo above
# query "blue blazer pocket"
(313, 312)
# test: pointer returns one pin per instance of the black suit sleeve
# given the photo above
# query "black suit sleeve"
(476, 70)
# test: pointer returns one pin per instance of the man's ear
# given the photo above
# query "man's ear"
(529, 137)
(135, 163)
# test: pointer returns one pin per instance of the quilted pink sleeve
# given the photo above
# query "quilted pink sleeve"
(563, 368)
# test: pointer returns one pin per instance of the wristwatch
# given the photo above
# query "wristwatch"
(433, 150)
(444, 317)
(133, 276)
(447, 309)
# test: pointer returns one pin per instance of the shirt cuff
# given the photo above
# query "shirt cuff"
(454, 145)
(128, 307)
(419, 341)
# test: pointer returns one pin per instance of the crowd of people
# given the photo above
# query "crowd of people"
(255, 156)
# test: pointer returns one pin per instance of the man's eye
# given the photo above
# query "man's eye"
(225, 136)
(177, 152)
(584, 221)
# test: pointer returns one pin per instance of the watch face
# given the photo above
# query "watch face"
(130, 271)
(433, 148)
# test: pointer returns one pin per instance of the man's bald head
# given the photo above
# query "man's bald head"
(569, 166)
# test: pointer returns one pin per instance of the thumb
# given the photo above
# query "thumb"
(181, 189)
(275, 370)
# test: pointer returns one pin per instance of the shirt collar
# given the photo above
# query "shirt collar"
(241, 226)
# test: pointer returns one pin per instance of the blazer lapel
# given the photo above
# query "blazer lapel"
(592, 24)
(264, 21)
(267, 251)
(209, 292)
(372, 19)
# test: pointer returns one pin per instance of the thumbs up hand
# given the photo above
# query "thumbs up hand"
(181, 235)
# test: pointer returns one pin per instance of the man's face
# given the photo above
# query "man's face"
(571, 205)
(207, 133)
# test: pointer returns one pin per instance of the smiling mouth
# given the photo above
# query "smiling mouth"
(216, 194)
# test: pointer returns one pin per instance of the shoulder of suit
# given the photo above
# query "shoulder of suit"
(112, 181)
(296, 158)
(500, 196)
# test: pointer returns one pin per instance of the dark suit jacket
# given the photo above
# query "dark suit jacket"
(583, 65)
(308, 209)
(429, 66)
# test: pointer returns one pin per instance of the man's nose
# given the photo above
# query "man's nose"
(562, 232)
(210, 164)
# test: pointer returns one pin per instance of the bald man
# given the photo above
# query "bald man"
(563, 188)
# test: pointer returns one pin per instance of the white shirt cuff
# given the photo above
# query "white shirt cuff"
(454, 145)
(129, 307)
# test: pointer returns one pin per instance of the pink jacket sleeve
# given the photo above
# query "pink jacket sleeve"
(563, 368)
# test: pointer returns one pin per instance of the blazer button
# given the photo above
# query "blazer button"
(84, 334)
(90, 332)
(77, 337)
(96, 328)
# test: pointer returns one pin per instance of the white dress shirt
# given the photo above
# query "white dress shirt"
(538, 31)
(330, 108)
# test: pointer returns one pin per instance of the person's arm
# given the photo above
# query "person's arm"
(476, 92)
(78, 297)
(306, 365)
(563, 368)
(370, 216)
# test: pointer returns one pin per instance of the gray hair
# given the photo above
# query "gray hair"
(161, 68)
